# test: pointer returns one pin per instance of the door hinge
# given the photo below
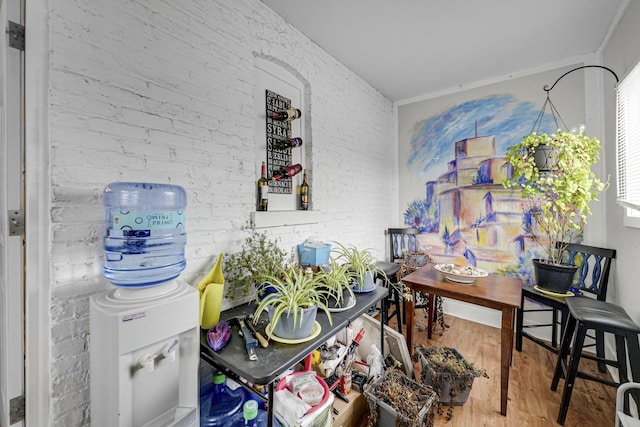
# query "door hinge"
(16, 36)
(16, 409)
(16, 223)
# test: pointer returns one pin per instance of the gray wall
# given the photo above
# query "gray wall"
(620, 54)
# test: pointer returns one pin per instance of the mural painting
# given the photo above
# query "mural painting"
(465, 215)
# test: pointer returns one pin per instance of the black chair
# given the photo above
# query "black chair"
(603, 317)
(401, 241)
(592, 278)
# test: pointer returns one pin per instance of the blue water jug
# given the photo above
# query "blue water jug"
(222, 403)
(251, 416)
(145, 233)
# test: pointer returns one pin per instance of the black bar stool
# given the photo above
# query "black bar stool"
(587, 313)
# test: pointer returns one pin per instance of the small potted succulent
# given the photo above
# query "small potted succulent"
(259, 257)
(337, 279)
(362, 263)
(558, 197)
(293, 305)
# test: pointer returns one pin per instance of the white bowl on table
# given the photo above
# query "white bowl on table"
(464, 275)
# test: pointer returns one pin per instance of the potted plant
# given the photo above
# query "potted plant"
(397, 400)
(337, 279)
(362, 263)
(293, 306)
(557, 199)
(258, 258)
(450, 374)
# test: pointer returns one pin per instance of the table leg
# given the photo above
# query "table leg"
(409, 309)
(270, 406)
(506, 344)
(384, 308)
(431, 306)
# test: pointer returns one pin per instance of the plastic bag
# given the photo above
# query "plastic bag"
(375, 362)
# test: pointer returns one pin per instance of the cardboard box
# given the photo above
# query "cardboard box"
(350, 414)
(394, 341)
(314, 255)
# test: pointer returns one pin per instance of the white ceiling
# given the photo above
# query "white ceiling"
(411, 48)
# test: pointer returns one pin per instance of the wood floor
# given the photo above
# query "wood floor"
(531, 401)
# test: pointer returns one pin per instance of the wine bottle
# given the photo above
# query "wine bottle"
(263, 190)
(283, 144)
(287, 172)
(287, 115)
(304, 193)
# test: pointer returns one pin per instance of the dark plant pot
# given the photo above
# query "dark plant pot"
(346, 303)
(389, 416)
(445, 382)
(543, 155)
(556, 278)
(263, 290)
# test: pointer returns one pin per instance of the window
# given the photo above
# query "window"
(628, 146)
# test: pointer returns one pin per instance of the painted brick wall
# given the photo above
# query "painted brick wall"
(161, 91)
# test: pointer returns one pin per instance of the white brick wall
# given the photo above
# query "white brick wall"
(162, 91)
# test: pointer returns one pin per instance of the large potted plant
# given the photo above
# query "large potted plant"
(362, 263)
(258, 258)
(557, 200)
(293, 305)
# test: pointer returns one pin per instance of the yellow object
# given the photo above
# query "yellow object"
(315, 357)
(211, 293)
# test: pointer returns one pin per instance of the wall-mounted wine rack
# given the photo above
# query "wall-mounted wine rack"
(277, 130)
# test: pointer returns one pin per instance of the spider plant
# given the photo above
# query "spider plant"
(336, 279)
(360, 261)
(295, 291)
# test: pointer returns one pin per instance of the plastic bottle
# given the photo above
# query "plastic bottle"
(251, 416)
(145, 233)
(221, 404)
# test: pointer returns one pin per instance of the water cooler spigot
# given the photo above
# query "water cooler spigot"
(169, 351)
(147, 362)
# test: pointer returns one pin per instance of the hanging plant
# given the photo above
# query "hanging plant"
(557, 200)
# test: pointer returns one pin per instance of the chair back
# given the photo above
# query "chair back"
(593, 268)
(402, 241)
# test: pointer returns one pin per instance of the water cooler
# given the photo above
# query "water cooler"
(145, 334)
(145, 349)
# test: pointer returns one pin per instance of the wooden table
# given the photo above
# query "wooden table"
(497, 292)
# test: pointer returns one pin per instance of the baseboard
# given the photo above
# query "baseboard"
(472, 312)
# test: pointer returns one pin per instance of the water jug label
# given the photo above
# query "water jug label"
(141, 223)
